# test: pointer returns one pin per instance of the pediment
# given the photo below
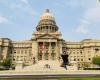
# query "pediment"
(47, 36)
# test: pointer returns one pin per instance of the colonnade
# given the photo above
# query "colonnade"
(47, 29)
(47, 50)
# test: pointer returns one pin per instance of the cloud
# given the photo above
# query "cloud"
(82, 29)
(3, 20)
(78, 3)
(90, 17)
(73, 3)
(23, 6)
(25, 1)
(93, 14)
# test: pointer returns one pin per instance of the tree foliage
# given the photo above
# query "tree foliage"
(6, 63)
(96, 60)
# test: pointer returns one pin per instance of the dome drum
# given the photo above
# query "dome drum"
(47, 28)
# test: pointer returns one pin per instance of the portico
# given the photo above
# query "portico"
(47, 50)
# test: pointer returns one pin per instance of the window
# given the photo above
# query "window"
(73, 52)
(77, 52)
(88, 51)
(81, 59)
(18, 51)
(13, 59)
(74, 59)
(52, 51)
(40, 56)
(14, 51)
(53, 44)
(46, 51)
(25, 51)
(81, 52)
(77, 59)
(10, 51)
(21, 51)
(89, 58)
(96, 50)
(46, 56)
(53, 56)
(47, 45)
(29, 50)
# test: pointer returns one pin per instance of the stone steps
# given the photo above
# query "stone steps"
(41, 65)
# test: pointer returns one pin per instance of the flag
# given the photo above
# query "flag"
(42, 46)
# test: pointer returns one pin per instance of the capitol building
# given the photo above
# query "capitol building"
(47, 44)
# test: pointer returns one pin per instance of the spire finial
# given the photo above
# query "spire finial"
(47, 11)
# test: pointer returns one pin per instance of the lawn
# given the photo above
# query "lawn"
(57, 79)
(79, 79)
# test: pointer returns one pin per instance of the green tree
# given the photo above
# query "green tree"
(6, 63)
(96, 60)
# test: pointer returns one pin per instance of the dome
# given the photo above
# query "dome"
(47, 23)
(47, 15)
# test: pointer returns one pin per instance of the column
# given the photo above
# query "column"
(60, 46)
(56, 51)
(43, 54)
(49, 50)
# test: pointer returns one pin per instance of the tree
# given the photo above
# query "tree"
(96, 60)
(6, 63)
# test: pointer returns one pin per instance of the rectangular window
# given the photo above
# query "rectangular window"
(25, 51)
(21, 51)
(14, 51)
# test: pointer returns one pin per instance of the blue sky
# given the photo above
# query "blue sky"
(76, 19)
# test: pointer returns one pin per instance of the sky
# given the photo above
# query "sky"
(76, 19)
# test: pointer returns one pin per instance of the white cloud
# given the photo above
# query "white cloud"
(82, 29)
(25, 1)
(78, 3)
(3, 20)
(23, 6)
(91, 16)
(73, 3)
(84, 22)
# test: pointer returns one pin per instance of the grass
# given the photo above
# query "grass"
(79, 79)
(56, 79)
